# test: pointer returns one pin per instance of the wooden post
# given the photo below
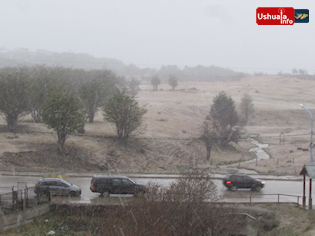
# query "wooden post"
(304, 197)
(310, 197)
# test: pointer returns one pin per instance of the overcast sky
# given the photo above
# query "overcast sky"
(152, 33)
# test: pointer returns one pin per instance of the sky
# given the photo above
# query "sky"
(152, 33)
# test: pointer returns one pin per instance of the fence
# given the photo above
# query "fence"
(275, 197)
(20, 199)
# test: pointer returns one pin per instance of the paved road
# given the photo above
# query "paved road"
(292, 187)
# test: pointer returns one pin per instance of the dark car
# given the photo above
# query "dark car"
(56, 186)
(116, 185)
(236, 181)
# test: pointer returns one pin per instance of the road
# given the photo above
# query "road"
(273, 186)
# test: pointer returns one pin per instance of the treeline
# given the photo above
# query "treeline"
(24, 89)
(65, 99)
(24, 57)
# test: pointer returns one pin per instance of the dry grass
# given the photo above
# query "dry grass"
(169, 139)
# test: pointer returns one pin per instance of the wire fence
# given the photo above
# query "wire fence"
(20, 200)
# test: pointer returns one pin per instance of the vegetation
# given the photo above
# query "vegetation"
(247, 108)
(63, 112)
(221, 126)
(155, 81)
(225, 120)
(172, 81)
(14, 86)
(96, 90)
(124, 111)
(133, 86)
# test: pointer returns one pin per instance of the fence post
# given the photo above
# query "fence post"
(14, 199)
(278, 198)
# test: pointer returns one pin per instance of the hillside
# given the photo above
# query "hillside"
(168, 142)
(25, 57)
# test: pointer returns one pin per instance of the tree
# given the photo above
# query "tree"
(172, 81)
(155, 81)
(40, 83)
(14, 85)
(63, 112)
(247, 108)
(294, 71)
(96, 90)
(133, 85)
(225, 120)
(209, 137)
(124, 111)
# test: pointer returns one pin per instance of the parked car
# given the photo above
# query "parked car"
(116, 185)
(56, 186)
(236, 181)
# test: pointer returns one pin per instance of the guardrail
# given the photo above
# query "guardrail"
(275, 194)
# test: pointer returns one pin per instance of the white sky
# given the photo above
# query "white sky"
(152, 33)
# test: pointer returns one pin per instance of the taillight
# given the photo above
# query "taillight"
(93, 186)
(228, 182)
(36, 186)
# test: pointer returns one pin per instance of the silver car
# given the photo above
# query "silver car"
(56, 186)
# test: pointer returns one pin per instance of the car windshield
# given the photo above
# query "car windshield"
(132, 181)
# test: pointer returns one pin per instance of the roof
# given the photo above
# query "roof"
(309, 169)
(110, 176)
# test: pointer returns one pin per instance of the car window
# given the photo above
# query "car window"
(116, 182)
(126, 182)
(61, 184)
(47, 183)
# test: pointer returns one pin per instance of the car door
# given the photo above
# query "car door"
(62, 188)
(248, 182)
(128, 187)
(116, 186)
(241, 180)
(53, 187)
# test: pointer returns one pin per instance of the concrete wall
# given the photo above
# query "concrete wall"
(22, 217)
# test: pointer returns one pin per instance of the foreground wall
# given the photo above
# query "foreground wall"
(22, 217)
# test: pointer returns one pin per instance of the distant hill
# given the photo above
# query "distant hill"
(25, 57)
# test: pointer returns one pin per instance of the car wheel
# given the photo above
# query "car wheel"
(256, 188)
(234, 188)
(105, 193)
(72, 194)
(139, 194)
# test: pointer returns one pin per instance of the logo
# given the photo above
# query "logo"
(301, 16)
(275, 15)
(281, 15)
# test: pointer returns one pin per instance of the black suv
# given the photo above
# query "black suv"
(116, 185)
(56, 186)
(236, 181)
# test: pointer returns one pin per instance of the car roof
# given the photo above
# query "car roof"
(50, 179)
(238, 174)
(109, 177)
